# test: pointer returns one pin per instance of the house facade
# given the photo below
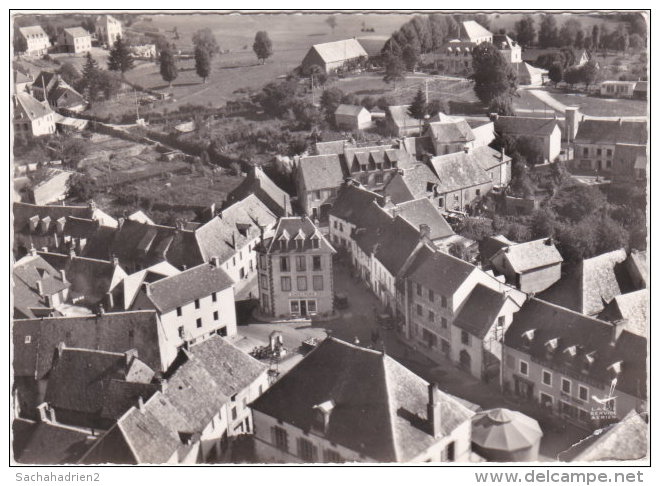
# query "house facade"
(295, 271)
(108, 29)
(36, 39)
(75, 40)
(317, 180)
(584, 370)
(596, 140)
(352, 117)
(32, 118)
(617, 89)
(333, 56)
(545, 131)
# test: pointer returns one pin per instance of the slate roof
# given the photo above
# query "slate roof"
(603, 278)
(321, 171)
(451, 131)
(330, 147)
(258, 183)
(26, 273)
(416, 182)
(29, 107)
(631, 308)
(490, 245)
(350, 110)
(480, 310)
(292, 226)
(77, 32)
(460, 170)
(47, 443)
(90, 278)
(399, 115)
(182, 288)
(438, 271)
(503, 41)
(379, 405)
(132, 283)
(232, 369)
(32, 30)
(146, 244)
(373, 45)
(530, 255)
(612, 132)
(396, 243)
(626, 440)
(590, 337)
(65, 96)
(418, 146)
(525, 126)
(80, 381)
(471, 30)
(635, 155)
(107, 332)
(340, 50)
(351, 202)
(422, 211)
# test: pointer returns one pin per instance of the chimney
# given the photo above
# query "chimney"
(233, 239)
(130, 355)
(34, 221)
(493, 116)
(549, 241)
(425, 232)
(44, 249)
(82, 242)
(502, 154)
(45, 224)
(33, 251)
(60, 349)
(467, 149)
(620, 121)
(212, 210)
(40, 288)
(215, 261)
(120, 223)
(109, 300)
(101, 311)
(433, 410)
(60, 225)
(140, 404)
(572, 122)
(617, 329)
(91, 205)
(115, 261)
(72, 252)
(63, 276)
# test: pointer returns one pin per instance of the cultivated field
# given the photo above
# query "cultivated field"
(597, 106)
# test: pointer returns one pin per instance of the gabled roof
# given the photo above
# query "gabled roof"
(28, 272)
(490, 245)
(321, 171)
(453, 131)
(399, 115)
(80, 382)
(525, 126)
(373, 44)
(380, 407)
(422, 211)
(480, 310)
(182, 288)
(471, 30)
(340, 50)
(503, 41)
(461, 170)
(415, 182)
(622, 441)
(351, 201)
(396, 243)
(438, 271)
(259, 184)
(36, 340)
(612, 132)
(591, 337)
(46, 79)
(48, 443)
(77, 32)
(28, 107)
(350, 110)
(232, 369)
(629, 310)
(531, 255)
(32, 30)
(301, 227)
(132, 283)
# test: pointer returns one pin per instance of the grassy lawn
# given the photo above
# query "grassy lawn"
(526, 104)
(596, 106)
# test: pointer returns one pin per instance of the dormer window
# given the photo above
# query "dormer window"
(528, 336)
(615, 367)
(551, 346)
(322, 414)
(588, 360)
(315, 240)
(571, 351)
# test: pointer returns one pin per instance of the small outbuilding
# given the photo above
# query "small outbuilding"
(352, 117)
(502, 435)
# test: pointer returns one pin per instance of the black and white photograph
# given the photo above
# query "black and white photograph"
(329, 237)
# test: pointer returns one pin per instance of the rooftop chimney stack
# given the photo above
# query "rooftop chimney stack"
(63, 276)
(40, 287)
(215, 261)
(433, 410)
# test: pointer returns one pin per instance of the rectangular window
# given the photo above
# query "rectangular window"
(301, 283)
(599, 152)
(449, 452)
(214, 297)
(419, 290)
(264, 281)
(316, 263)
(443, 301)
(196, 303)
(583, 393)
(234, 413)
(566, 386)
(465, 339)
(284, 264)
(419, 310)
(500, 321)
(285, 283)
(609, 152)
(28, 339)
(199, 322)
(315, 243)
(545, 399)
(301, 263)
(306, 450)
(311, 306)
(295, 307)
(523, 367)
(431, 295)
(317, 195)
(317, 282)
(585, 151)
(431, 316)
(547, 378)
(179, 312)
(443, 322)
(215, 315)
(332, 456)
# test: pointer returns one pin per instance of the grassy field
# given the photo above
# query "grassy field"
(508, 21)
(596, 106)
(526, 104)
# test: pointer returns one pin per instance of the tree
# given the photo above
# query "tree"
(577, 202)
(573, 75)
(493, 76)
(71, 150)
(589, 73)
(330, 100)
(109, 84)
(202, 63)
(579, 39)
(410, 57)
(525, 31)
(556, 73)
(418, 108)
(168, 69)
(89, 81)
(595, 37)
(636, 42)
(121, 58)
(502, 105)
(394, 69)
(548, 31)
(569, 32)
(623, 42)
(82, 187)
(89, 25)
(276, 98)
(20, 44)
(70, 73)
(475, 228)
(262, 46)
(205, 39)
(332, 22)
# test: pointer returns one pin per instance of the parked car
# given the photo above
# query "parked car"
(341, 301)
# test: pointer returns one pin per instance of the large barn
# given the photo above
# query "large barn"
(333, 55)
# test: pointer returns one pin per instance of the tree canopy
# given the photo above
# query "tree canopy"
(168, 68)
(120, 58)
(205, 39)
(493, 76)
(202, 63)
(263, 47)
(418, 108)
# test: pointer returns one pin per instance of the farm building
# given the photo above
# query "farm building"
(36, 39)
(352, 117)
(617, 89)
(332, 56)
(75, 40)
